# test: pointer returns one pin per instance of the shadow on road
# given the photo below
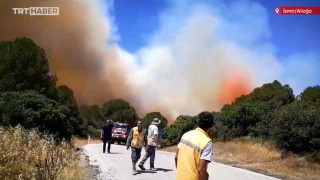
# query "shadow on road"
(114, 153)
(164, 170)
(146, 171)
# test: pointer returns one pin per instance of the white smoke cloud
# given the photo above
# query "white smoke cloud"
(203, 56)
(190, 57)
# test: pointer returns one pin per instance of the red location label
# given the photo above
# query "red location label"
(300, 10)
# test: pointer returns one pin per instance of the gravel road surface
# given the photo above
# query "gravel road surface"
(117, 166)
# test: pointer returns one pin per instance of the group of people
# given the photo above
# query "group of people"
(195, 148)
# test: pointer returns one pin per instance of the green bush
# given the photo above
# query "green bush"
(296, 127)
(182, 125)
(94, 133)
(252, 114)
(32, 110)
(239, 118)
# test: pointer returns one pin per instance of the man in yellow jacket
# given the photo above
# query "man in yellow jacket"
(137, 139)
(195, 151)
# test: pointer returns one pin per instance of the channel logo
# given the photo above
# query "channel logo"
(37, 11)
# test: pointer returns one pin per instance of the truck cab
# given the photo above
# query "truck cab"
(120, 132)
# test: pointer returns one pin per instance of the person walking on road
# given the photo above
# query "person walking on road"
(152, 144)
(106, 135)
(137, 138)
(195, 151)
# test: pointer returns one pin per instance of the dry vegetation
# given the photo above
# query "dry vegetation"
(29, 155)
(80, 142)
(263, 158)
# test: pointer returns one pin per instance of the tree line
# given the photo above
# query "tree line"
(117, 110)
(270, 112)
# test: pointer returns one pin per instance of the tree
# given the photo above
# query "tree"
(253, 113)
(120, 111)
(311, 94)
(147, 119)
(240, 118)
(24, 71)
(24, 66)
(65, 96)
(92, 116)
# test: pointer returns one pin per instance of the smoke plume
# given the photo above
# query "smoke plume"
(198, 59)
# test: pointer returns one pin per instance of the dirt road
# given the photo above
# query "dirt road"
(117, 166)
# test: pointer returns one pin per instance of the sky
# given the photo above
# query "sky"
(290, 37)
(178, 57)
(138, 19)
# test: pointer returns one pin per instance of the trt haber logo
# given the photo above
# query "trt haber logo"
(37, 11)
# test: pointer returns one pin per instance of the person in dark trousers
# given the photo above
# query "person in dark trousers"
(153, 134)
(195, 151)
(106, 135)
(137, 139)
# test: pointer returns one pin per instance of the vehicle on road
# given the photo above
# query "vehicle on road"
(120, 132)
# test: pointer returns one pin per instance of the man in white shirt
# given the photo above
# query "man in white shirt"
(153, 133)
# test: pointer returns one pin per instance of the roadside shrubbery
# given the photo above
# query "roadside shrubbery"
(296, 128)
(27, 154)
(270, 112)
(33, 110)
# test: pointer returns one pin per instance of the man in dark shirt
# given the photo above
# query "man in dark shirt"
(106, 135)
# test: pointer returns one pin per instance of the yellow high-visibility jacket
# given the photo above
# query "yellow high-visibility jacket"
(191, 147)
(138, 139)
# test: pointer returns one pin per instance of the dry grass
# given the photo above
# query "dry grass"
(240, 151)
(29, 155)
(263, 158)
(80, 142)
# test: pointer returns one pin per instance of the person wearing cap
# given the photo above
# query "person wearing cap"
(137, 138)
(152, 144)
(195, 151)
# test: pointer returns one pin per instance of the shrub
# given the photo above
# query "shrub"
(30, 155)
(93, 132)
(182, 125)
(314, 157)
(296, 127)
(33, 110)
